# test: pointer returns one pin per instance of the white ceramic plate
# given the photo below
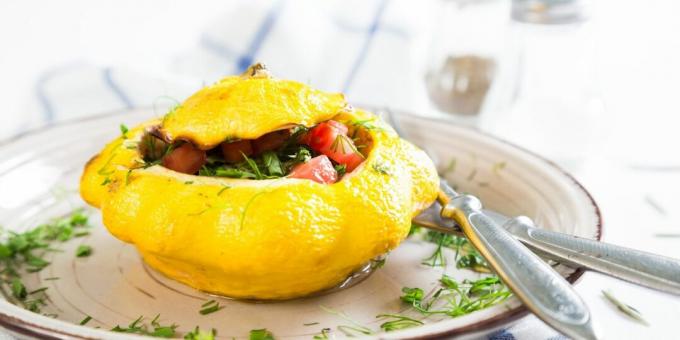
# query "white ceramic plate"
(39, 174)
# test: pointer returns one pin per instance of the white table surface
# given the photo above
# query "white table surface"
(638, 59)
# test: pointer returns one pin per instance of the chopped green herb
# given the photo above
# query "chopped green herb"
(466, 255)
(210, 307)
(52, 278)
(352, 331)
(84, 321)
(498, 167)
(154, 329)
(26, 251)
(367, 124)
(412, 296)
(310, 324)
(127, 176)
(224, 188)
(341, 169)
(473, 261)
(442, 240)
(18, 289)
(378, 262)
(272, 164)
(629, 310)
(198, 334)
(459, 298)
(36, 291)
(253, 166)
(232, 173)
(472, 175)
(123, 131)
(323, 335)
(381, 168)
(347, 330)
(415, 229)
(189, 182)
(83, 250)
(260, 334)
(451, 167)
(398, 322)
(247, 206)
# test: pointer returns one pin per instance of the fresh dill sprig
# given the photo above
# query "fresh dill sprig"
(397, 322)
(323, 335)
(466, 256)
(629, 310)
(346, 329)
(123, 131)
(83, 250)
(25, 252)
(272, 164)
(224, 188)
(381, 168)
(458, 298)
(210, 307)
(154, 328)
(198, 334)
(260, 334)
(84, 321)
(341, 169)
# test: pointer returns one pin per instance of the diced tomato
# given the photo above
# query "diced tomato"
(318, 169)
(233, 151)
(270, 141)
(330, 138)
(186, 159)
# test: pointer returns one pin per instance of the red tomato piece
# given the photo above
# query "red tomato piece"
(186, 159)
(318, 169)
(233, 151)
(330, 138)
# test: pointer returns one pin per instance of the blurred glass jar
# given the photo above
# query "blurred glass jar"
(557, 108)
(464, 58)
(521, 69)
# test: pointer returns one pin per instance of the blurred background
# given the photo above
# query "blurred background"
(591, 85)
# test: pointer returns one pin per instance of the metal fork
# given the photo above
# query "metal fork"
(542, 290)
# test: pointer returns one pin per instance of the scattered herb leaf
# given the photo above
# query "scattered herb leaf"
(123, 131)
(224, 188)
(260, 334)
(83, 250)
(323, 335)
(381, 168)
(84, 321)
(198, 334)
(24, 252)
(398, 322)
(210, 307)
(624, 308)
(154, 328)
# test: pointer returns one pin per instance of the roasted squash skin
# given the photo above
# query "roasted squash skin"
(259, 239)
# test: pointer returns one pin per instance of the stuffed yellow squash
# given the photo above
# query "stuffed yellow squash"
(261, 188)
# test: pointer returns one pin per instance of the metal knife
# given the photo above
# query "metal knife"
(639, 267)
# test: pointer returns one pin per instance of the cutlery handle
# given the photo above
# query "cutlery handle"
(654, 271)
(534, 282)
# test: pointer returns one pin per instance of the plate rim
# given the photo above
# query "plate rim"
(30, 329)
